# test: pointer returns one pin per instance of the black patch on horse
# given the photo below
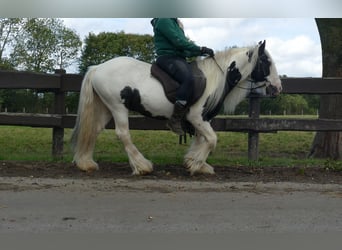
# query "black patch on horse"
(262, 67)
(250, 54)
(232, 78)
(132, 101)
(233, 75)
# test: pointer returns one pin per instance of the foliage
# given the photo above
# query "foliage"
(71, 102)
(284, 104)
(9, 29)
(25, 100)
(68, 47)
(288, 104)
(5, 64)
(34, 44)
(105, 46)
(44, 45)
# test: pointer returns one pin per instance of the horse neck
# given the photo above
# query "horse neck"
(239, 55)
(216, 79)
(245, 67)
(213, 72)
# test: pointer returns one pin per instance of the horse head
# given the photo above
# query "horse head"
(264, 73)
(250, 71)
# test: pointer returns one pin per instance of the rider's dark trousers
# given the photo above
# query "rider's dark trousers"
(180, 70)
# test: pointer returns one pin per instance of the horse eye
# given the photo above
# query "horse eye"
(249, 54)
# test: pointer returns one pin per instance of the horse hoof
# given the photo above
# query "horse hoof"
(88, 166)
(203, 172)
(207, 169)
(199, 168)
(142, 172)
(147, 169)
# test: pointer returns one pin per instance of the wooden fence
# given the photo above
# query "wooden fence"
(60, 83)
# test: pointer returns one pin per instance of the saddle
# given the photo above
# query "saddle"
(170, 85)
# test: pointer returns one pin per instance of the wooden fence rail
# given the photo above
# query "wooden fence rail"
(60, 83)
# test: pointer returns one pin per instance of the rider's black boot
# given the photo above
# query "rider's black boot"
(179, 112)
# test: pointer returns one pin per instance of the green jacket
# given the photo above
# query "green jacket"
(169, 39)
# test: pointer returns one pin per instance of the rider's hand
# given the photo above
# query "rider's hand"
(207, 51)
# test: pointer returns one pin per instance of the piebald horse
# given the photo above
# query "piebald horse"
(107, 88)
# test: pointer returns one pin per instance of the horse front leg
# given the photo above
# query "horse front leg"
(139, 164)
(204, 142)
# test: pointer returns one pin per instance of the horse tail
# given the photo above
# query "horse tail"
(85, 125)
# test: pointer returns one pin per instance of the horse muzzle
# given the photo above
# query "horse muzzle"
(272, 91)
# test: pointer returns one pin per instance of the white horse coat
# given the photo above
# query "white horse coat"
(112, 88)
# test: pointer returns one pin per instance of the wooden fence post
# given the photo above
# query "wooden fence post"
(58, 132)
(253, 137)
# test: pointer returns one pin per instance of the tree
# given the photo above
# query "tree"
(106, 45)
(68, 47)
(39, 45)
(329, 144)
(44, 45)
(291, 104)
(9, 28)
(35, 45)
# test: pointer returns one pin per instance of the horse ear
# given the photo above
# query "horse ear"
(262, 48)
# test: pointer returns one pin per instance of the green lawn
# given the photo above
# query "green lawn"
(161, 147)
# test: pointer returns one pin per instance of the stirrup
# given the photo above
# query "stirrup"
(175, 126)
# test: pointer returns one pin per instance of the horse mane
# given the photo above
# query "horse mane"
(217, 93)
(215, 83)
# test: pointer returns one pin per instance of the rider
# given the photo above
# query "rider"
(173, 48)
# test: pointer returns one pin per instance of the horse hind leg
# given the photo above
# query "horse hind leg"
(139, 164)
(87, 133)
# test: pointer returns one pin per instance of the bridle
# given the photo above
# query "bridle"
(251, 89)
(261, 70)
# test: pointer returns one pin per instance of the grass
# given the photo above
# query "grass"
(161, 147)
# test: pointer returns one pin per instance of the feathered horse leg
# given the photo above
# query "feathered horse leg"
(139, 164)
(92, 118)
(203, 143)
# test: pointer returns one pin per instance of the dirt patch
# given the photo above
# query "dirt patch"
(318, 175)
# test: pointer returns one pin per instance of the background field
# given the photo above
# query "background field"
(162, 147)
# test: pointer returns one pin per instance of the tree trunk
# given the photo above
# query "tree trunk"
(329, 144)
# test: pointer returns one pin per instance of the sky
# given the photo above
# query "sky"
(288, 26)
(293, 43)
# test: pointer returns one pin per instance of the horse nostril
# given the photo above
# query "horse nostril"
(276, 91)
(272, 90)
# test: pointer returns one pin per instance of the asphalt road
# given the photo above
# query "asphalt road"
(126, 206)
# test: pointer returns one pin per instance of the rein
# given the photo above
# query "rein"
(252, 88)
(218, 65)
